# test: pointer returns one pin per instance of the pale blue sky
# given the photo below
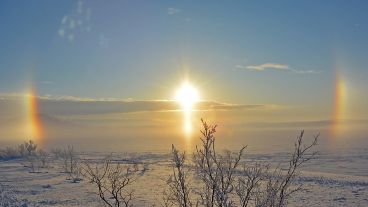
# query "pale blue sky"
(266, 68)
(137, 49)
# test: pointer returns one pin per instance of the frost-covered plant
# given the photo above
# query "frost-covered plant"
(9, 153)
(279, 183)
(57, 153)
(32, 163)
(28, 148)
(70, 162)
(7, 199)
(34, 158)
(216, 171)
(22, 151)
(225, 181)
(112, 182)
(42, 156)
(30, 156)
(179, 190)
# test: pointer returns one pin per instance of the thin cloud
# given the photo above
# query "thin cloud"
(276, 67)
(119, 107)
(172, 11)
(306, 124)
(218, 106)
(305, 71)
(76, 22)
(272, 66)
(70, 105)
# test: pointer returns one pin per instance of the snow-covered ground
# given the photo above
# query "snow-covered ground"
(331, 180)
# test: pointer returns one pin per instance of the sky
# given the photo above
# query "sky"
(259, 61)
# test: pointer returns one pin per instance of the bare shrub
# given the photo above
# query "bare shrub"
(30, 156)
(57, 153)
(22, 151)
(248, 184)
(112, 182)
(279, 186)
(179, 191)
(31, 163)
(70, 163)
(9, 153)
(216, 171)
(42, 157)
(28, 148)
(225, 181)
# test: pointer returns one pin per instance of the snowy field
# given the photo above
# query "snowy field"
(333, 179)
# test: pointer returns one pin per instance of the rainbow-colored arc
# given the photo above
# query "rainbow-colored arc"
(339, 104)
(34, 122)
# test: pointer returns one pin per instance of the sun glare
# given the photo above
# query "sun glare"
(187, 96)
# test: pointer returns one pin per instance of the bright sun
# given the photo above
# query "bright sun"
(187, 95)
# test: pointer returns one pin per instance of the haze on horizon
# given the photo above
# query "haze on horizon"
(73, 71)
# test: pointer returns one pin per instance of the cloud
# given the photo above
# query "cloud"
(275, 66)
(218, 106)
(172, 11)
(272, 66)
(70, 105)
(305, 71)
(61, 32)
(63, 107)
(76, 22)
(306, 124)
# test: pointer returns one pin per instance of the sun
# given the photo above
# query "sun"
(187, 95)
